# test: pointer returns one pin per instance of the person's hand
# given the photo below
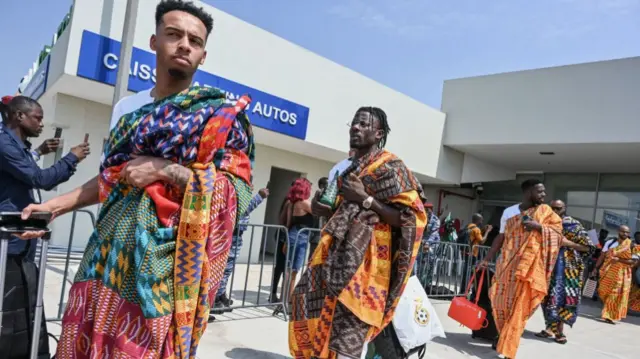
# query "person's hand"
(81, 151)
(319, 209)
(531, 225)
(142, 171)
(48, 146)
(353, 190)
(264, 193)
(488, 228)
(48, 206)
(484, 264)
(30, 235)
(615, 259)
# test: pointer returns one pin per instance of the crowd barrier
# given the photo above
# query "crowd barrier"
(5, 236)
(444, 268)
(304, 236)
(253, 293)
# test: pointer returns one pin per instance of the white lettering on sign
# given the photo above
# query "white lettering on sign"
(275, 113)
(263, 110)
(139, 70)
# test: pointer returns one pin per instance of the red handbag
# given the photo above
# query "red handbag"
(467, 313)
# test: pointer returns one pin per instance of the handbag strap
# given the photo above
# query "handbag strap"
(473, 277)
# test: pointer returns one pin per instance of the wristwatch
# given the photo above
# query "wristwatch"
(367, 202)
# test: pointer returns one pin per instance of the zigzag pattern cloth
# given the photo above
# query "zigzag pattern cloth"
(152, 266)
(565, 287)
(357, 274)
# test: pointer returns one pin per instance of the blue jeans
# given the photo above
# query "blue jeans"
(298, 243)
(234, 252)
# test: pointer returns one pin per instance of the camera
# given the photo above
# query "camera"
(479, 189)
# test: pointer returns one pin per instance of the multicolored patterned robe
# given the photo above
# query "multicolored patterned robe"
(615, 281)
(355, 277)
(561, 305)
(154, 262)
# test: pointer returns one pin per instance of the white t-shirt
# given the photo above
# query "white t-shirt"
(508, 213)
(339, 167)
(127, 105)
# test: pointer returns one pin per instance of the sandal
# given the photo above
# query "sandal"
(609, 321)
(544, 335)
(561, 339)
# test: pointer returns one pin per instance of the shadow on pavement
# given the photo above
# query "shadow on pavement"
(593, 310)
(464, 344)
(246, 353)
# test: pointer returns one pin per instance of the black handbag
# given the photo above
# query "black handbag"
(387, 346)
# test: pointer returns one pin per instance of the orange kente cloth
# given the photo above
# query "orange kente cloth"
(523, 272)
(615, 281)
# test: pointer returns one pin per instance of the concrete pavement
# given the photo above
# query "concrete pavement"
(254, 333)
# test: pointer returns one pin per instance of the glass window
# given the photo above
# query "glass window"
(582, 214)
(611, 219)
(575, 189)
(619, 191)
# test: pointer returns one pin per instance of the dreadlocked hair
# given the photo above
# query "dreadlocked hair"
(382, 118)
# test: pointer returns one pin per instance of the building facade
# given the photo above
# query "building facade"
(573, 126)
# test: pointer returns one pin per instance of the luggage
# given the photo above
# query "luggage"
(490, 332)
(10, 225)
(469, 313)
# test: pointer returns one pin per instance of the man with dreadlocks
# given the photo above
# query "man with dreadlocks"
(358, 272)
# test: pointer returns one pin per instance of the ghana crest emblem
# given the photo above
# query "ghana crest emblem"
(421, 314)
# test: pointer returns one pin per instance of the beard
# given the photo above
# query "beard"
(178, 74)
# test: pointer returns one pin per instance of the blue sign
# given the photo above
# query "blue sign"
(614, 220)
(38, 84)
(99, 61)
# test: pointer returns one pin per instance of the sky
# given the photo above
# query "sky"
(409, 45)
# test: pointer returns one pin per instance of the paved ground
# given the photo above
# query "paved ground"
(253, 333)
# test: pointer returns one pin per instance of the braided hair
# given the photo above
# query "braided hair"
(382, 118)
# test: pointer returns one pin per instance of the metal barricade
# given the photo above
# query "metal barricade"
(39, 307)
(67, 260)
(303, 238)
(264, 268)
(444, 268)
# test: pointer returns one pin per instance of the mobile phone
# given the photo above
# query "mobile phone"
(525, 218)
(58, 133)
(11, 223)
(86, 138)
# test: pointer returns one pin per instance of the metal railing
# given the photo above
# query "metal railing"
(251, 294)
(303, 238)
(444, 268)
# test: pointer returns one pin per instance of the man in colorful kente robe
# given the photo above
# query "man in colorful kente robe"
(174, 175)
(565, 290)
(355, 277)
(615, 268)
(530, 239)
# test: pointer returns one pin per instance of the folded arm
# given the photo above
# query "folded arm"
(139, 172)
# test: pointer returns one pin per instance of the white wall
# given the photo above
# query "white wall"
(476, 170)
(332, 92)
(594, 103)
(77, 117)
